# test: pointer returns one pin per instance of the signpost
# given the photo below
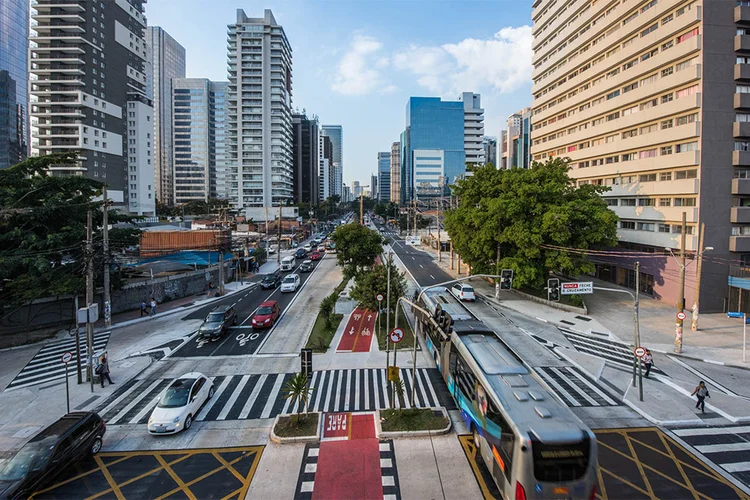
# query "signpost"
(579, 288)
(66, 359)
(681, 315)
(640, 352)
(379, 297)
(744, 330)
(396, 335)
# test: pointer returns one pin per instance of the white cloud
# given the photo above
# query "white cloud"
(359, 70)
(500, 64)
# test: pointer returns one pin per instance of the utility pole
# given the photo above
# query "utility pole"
(416, 231)
(89, 297)
(105, 248)
(698, 269)
(78, 340)
(388, 319)
(361, 209)
(221, 262)
(440, 207)
(278, 246)
(637, 332)
(267, 233)
(681, 290)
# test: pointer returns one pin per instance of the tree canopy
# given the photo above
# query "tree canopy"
(368, 285)
(533, 215)
(356, 247)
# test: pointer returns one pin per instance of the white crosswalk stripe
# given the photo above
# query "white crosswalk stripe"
(47, 365)
(617, 353)
(262, 396)
(574, 387)
(727, 447)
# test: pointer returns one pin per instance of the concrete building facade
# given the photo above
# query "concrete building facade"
(141, 193)
(395, 178)
(473, 128)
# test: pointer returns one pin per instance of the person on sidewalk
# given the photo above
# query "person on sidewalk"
(701, 392)
(153, 306)
(648, 361)
(143, 308)
(104, 369)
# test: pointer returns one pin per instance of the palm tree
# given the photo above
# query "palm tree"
(297, 391)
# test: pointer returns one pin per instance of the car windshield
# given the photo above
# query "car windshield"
(468, 289)
(269, 277)
(31, 457)
(265, 310)
(289, 279)
(177, 394)
(215, 317)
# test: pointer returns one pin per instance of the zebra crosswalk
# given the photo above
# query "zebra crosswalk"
(574, 387)
(727, 447)
(240, 397)
(617, 353)
(47, 365)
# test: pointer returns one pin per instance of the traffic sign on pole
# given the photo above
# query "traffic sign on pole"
(681, 315)
(640, 352)
(396, 335)
(67, 357)
(379, 297)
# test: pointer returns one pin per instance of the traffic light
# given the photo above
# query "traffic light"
(506, 279)
(553, 289)
(443, 320)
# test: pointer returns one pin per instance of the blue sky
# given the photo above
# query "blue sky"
(356, 62)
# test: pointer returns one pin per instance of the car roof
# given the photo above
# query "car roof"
(221, 308)
(464, 285)
(268, 303)
(291, 275)
(307, 261)
(63, 425)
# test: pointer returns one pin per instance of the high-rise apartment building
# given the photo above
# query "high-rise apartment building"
(306, 159)
(384, 177)
(517, 150)
(502, 150)
(649, 99)
(356, 189)
(87, 60)
(374, 188)
(166, 60)
(14, 27)
(473, 128)
(141, 198)
(326, 171)
(489, 144)
(217, 102)
(395, 178)
(259, 118)
(336, 134)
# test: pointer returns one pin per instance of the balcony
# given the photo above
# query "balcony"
(70, 27)
(740, 215)
(57, 47)
(68, 17)
(57, 68)
(742, 43)
(741, 129)
(742, 14)
(66, 5)
(739, 243)
(740, 186)
(741, 101)
(742, 71)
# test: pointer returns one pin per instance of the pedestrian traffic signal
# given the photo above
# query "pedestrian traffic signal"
(553, 289)
(506, 279)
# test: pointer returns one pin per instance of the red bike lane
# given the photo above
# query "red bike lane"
(359, 331)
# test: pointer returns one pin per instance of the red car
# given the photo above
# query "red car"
(316, 255)
(266, 315)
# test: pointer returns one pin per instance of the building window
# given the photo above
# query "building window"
(686, 174)
(645, 226)
(630, 133)
(684, 202)
(687, 146)
(667, 71)
(648, 129)
(626, 224)
(647, 178)
(665, 150)
(666, 124)
(665, 202)
(649, 30)
(611, 202)
(627, 202)
(646, 202)
(687, 36)
(664, 228)
(684, 120)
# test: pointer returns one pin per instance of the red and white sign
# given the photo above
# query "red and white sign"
(583, 287)
(640, 351)
(681, 315)
(67, 357)
(396, 335)
(380, 297)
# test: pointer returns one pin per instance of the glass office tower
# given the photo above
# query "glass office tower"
(14, 40)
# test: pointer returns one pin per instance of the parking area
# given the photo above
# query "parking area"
(636, 463)
(200, 473)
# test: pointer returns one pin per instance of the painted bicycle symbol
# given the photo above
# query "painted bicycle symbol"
(366, 332)
(244, 338)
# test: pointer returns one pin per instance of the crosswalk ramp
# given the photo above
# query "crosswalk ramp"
(240, 397)
(47, 365)
(727, 447)
(574, 387)
(617, 353)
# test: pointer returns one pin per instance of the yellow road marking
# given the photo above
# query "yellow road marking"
(639, 465)
(235, 494)
(467, 442)
(625, 481)
(229, 467)
(204, 476)
(603, 492)
(175, 477)
(110, 479)
(679, 466)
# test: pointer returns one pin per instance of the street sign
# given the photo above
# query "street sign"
(306, 362)
(67, 357)
(640, 351)
(396, 335)
(380, 297)
(394, 373)
(582, 287)
(681, 315)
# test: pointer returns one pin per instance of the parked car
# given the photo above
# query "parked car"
(180, 403)
(267, 315)
(75, 436)
(321, 248)
(306, 266)
(217, 322)
(272, 249)
(272, 280)
(308, 247)
(315, 255)
(291, 283)
(300, 253)
(463, 292)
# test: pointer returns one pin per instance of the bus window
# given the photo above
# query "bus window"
(452, 361)
(507, 439)
(560, 463)
(465, 380)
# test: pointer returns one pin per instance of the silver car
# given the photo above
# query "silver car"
(291, 283)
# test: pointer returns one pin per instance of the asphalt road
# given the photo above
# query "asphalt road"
(419, 263)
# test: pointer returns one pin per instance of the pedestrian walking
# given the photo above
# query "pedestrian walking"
(143, 308)
(153, 306)
(648, 361)
(104, 369)
(701, 392)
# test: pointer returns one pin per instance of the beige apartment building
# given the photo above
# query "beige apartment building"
(651, 98)
(396, 173)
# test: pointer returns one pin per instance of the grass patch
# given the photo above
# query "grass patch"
(322, 334)
(382, 333)
(412, 419)
(568, 300)
(305, 425)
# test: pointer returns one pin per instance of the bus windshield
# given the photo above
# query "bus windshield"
(560, 463)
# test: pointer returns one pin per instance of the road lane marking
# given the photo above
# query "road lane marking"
(272, 401)
(201, 415)
(252, 397)
(431, 276)
(233, 397)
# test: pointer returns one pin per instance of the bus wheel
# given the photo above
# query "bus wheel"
(476, 438)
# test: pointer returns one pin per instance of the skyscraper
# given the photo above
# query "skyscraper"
(217, 102)
(14, 35)
(395, 179)
(306, 159)
(518, 140)
(166, 60)
(141, 197)
(384, 177)
(336, 133)
(490, 150)
(473, 128)
(259, 118)
(196, 116)
(326, 172)
(88, 60)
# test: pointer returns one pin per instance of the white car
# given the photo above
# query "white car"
(180, 403)
(308, 248)
(463, 292)
(272, 249)
(291, 283)
(321, 248)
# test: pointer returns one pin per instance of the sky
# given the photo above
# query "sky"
(357, 62)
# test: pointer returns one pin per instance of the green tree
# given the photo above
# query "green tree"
(368, 285)
(534, 215)
(356, 247)
(296, 390)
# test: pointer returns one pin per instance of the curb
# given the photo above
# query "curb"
(296, 439)
(696, 358)
(413, 434)
(664, 423)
